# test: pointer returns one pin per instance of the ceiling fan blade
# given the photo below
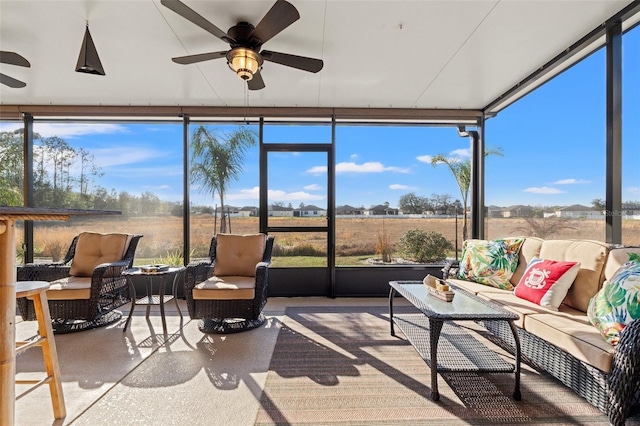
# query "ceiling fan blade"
(295, 61)
(11, 82)
(191, 15)
(12, 58)
(256, 83)
(192, 59)
(280, 16)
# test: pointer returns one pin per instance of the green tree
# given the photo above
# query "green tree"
(11, 168)
(412, 204)
(217, 160)
(461, 170)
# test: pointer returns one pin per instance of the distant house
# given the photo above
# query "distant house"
(348, 210)
(381, 210)
(248, 211)
(280, 211)
(518, 211)
(230, 211)
(576, 211)
(309, 211)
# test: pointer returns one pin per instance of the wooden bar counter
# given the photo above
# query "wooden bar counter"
(8, 218)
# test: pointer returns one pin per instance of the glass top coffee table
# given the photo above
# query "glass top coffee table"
(457, 350)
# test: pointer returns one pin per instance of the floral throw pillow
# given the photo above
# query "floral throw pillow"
(618, 302)
(490, 262)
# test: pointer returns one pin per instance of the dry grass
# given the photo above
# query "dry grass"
(354, 236)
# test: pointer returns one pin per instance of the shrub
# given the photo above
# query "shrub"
(424, 247)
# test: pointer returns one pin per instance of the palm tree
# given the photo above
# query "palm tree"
(461, 170)
(217, 159)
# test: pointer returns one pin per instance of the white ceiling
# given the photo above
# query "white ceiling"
(377, 54)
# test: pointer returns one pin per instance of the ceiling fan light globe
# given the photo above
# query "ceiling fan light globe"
(245, 74)
(244, 62)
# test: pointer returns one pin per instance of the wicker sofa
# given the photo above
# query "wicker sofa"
(564, 343)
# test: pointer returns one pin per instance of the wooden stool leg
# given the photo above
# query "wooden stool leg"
(50, 354)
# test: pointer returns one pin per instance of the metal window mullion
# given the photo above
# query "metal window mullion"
(613, 200)
(27, 185)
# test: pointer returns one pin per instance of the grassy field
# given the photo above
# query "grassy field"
(356, 238)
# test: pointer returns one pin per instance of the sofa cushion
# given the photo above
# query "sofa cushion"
(490, 262)
(238, 254)
(93, 249)
(512, 303)
(618, 257)
(591, 255)
(530, 248)
(230, 287)
(70, 288)
(474, 288)
(571, 332)
(546, 282)
(617, 303)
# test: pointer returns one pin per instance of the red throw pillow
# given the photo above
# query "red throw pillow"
(546, 282)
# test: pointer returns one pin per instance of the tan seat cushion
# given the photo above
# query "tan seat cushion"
(70, 288)
(573, 333)
(93, 249)
(512, 303)
(476, 288)
(230, 287)
(238, 254)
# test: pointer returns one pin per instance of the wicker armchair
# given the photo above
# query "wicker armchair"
(229, 290)
(87, 286)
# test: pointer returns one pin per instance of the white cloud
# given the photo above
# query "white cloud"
(74, 130)
(425, 158)
(67, 130)
(569, 181)
(313, 187)
(461, 153)
(397, 186)
(245, 194)
(543, 190)
(317, 170)
(353, 156)
(351, 167)
(634, 189)
(274, 195)
(120, 155)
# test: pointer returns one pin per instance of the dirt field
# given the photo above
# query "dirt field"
(354, 236)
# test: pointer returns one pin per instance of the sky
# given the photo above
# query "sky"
(552, 142)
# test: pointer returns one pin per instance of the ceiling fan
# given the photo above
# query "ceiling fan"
(12, 58)
(245, 57)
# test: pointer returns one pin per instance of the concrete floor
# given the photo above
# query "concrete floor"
(142, 377)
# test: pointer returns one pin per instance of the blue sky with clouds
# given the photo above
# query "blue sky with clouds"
(553, 144)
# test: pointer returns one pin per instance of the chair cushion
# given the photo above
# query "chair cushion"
(231, 287)
(93, 249)
(238, 254)
(70, 288)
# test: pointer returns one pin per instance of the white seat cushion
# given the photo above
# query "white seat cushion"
(70, 288)
(230, 287)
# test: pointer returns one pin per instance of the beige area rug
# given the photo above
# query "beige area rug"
(342, 366)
